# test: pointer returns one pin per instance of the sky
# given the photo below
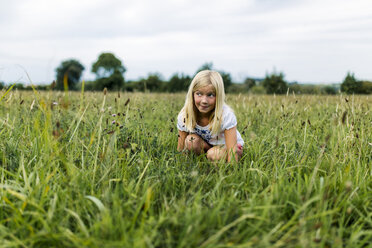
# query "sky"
(310, 41)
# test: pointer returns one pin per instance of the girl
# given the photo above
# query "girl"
(206, 123)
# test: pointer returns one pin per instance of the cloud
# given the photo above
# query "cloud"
(308, 40)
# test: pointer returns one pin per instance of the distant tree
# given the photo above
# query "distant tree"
(329, 90)
(366, 87)
(53, 85)
(113, 82)
(19, 86)
(238, 88)
(154, 82)
(40, 87)
(2, 85)
(178, 83)
(250, 82)
(73, 69)
(258, 89)
(350, 85)
(274, 83)
(109, 71)
(304, 88)
(132, 86)
(227, 81)
(205, 66)
(295, 88)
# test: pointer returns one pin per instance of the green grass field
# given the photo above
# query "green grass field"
(95, 170)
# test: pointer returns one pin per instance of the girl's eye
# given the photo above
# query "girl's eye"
(211, 95)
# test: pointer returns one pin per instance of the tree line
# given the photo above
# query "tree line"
(109, 71)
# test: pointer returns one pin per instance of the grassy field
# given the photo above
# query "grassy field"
(95, 170)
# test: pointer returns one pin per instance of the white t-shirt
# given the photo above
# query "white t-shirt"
(228, 122)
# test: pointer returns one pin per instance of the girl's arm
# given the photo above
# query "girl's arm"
(231, 142)
(181, 140)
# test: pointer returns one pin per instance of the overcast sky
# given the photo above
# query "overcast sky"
(310, 41)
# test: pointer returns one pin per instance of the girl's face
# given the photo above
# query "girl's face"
(205, 99)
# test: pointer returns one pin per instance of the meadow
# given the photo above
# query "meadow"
(102, 170)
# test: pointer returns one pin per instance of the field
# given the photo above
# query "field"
(96, 170)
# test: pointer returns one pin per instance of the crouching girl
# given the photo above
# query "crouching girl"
(206, 123)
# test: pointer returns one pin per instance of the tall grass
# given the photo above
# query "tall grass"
(102, 170)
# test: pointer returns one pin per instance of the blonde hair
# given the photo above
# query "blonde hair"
(189, 110)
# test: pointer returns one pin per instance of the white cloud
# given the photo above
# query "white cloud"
(310, 41)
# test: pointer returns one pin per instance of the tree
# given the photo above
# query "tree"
(227, 81)
(19, 86)
(109, 71)
(238, 88)
(329, 90)
(250, 82)
(178, 83)
(205, 66)
(366, 87)
(73, 70)
(154, 82)
(274, 83)
(350, 85)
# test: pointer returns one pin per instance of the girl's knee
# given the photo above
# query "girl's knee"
(211, 154)
(216, 153)
(192, 142)
(220, 153)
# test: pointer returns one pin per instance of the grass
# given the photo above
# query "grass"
(95, 170)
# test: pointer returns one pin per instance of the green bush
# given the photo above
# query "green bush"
(238, 88)
(275, 84)
(366, 87)
(258, 89)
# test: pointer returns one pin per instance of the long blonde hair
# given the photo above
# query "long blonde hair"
(189, 110)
